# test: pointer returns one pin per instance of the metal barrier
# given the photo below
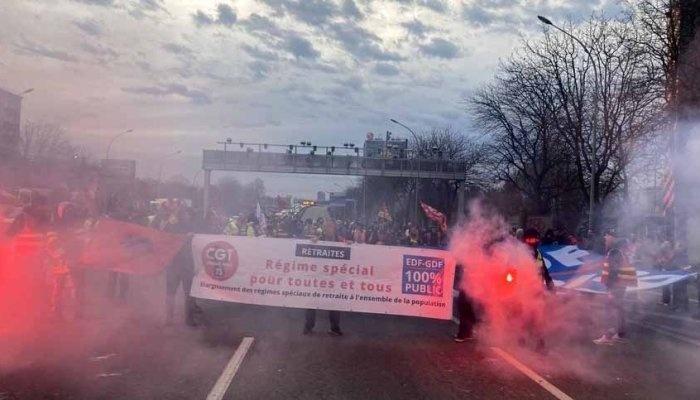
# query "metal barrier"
(332, 164)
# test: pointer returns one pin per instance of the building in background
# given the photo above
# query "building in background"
(385, 148)
(10, 106)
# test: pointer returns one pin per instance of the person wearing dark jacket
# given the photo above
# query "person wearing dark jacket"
(180, 271)
(327, 234)
(465, 310)
(531, 237)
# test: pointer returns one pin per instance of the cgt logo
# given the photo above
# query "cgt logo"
(220, 260)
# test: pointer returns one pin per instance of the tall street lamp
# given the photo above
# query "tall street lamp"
(409, 129)
(109, 147)
(416, 182)
(594, 156)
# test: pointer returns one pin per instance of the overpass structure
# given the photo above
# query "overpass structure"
(291, 162)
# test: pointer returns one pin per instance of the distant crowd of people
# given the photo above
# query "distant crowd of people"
(54, 227)
(379, 232)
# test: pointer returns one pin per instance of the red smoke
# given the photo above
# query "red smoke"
(502, 277)
(517, 313)
(22, 301)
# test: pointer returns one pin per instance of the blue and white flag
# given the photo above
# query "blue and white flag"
(578, 269)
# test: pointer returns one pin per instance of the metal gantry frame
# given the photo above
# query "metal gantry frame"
(303, 159)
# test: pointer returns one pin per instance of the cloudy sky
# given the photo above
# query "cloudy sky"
(186, 73)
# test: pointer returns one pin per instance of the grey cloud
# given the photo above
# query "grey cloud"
(477, 16)
(519, 13)
(142, 8)
(259, 69)
(227, 16)
(259, 53)
(300, 47)
(417, 28)
(275, 37)
(201, 19)
(102, 53)
(89, 26)
(440, 48)
(151, 5)
(386, 69)
(361, 43)
(195, 96)
(258, 24)
(312, 12)
(175, 48)
(353, 82)
(351, 10)
(103, 3)
(438, 6)
(145, 66)
(36, 49)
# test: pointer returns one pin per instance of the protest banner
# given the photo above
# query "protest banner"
(129, 248)
(324, 275)
(574, 268)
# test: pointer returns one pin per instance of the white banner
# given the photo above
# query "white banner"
(324, 275)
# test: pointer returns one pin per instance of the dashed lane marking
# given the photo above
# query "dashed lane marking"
(553, 390)
(224, 381)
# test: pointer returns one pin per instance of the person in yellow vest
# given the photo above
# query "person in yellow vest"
(617, 275)
(61, 280)
(250, 229)
(231, 227)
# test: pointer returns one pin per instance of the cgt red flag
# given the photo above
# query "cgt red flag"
(129, 248)
(435, 215)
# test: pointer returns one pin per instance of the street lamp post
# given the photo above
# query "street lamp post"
(416, 183)
(109, 146)
(415, 137)
(596, 88)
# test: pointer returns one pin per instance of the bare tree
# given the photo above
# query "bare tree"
(599, 96)
(517, 112)
(42, 141)
(451, 145)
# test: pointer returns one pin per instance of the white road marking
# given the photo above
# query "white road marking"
(668, 332)
(222, 384)
(684, 318)
(553, 390)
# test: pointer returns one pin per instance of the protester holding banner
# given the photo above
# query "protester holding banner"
(181, 272)
(618, 274)
(64, 245)
(326, 231)
(465, 309)
(531, 237)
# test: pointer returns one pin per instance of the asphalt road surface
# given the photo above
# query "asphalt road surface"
(126, 352)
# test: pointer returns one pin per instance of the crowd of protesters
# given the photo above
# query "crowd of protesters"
(379, 232)
(73, 213)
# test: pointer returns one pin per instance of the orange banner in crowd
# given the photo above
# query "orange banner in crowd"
(129, 248)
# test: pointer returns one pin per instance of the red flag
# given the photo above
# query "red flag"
(129, 248)
(435, 215)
